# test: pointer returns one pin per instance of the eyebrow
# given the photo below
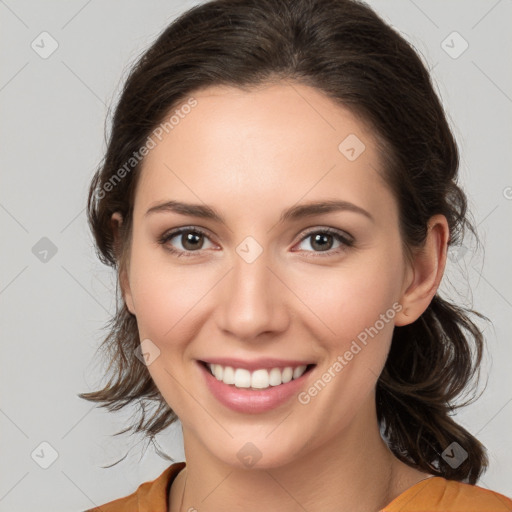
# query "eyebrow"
(294, 213)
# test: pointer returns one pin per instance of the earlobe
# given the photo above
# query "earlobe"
(426, 272)
(127, 294)
(116, 222)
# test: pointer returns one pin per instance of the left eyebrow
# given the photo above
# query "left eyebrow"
(320, 207)
(291, 214)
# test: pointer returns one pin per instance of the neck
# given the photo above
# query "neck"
(355, 471)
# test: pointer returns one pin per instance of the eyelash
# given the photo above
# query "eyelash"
(345, 241)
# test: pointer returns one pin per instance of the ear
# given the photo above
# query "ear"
(425, 272)
(116, 222)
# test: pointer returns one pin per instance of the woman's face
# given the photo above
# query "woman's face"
(264, 285)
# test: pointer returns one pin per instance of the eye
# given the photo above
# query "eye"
(191, 239)
(322, 240)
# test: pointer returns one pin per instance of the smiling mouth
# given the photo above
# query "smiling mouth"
(259, 379)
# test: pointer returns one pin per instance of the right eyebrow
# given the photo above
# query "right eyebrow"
(193, 210)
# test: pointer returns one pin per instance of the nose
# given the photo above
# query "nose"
(253, 300)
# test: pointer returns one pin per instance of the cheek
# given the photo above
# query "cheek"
(358, 303)
(163, 305)
(167, 297)
(348, 301)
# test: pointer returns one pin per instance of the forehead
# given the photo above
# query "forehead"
(273, 143)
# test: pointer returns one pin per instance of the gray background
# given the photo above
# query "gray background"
(53, 111)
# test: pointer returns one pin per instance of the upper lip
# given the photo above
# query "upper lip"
(255, 364)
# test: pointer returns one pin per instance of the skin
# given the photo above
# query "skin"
(250, 155)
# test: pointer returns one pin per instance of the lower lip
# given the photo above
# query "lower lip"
(252, 401)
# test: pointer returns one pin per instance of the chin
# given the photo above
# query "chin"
(253, 452)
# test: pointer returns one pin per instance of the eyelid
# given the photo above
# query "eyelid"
(331, 231)
(171, 233)
(346, 240)
(343, 237)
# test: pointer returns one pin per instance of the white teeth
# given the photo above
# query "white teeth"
(218, 371)
(287, 374)
(275, 377)
(298, 371)
(259, 379)
(229, 375)
(242, 378)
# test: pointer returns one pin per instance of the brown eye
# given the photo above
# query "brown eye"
(322, 241)
(191, 240)
(186, 240)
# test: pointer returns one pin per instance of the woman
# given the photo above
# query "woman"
(278, 196)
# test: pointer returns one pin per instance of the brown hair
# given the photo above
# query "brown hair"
(344, 49)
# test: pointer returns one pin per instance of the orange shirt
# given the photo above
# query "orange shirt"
(431, 495)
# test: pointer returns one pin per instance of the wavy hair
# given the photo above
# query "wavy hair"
(345, 50)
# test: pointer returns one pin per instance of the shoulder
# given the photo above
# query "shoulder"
(437, 494)
(150, 496)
